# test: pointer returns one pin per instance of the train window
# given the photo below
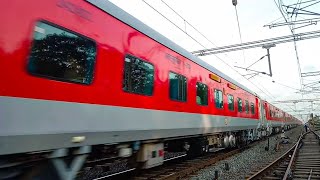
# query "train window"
(178, 87)
(138, 76)
(252, 108)
(218, 98)
(62, 55)
(202, 94)
(239, 105)
(247, 106)
(230, 102)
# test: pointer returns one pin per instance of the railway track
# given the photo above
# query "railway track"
(302, 161)
(178, 167)
(183, 169)
(174, 168)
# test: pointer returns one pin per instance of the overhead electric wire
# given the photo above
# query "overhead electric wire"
(208, 38)
(259, 43)
(279, 6)
(302, 2)
(280, 9)
(235, 7)
(268, 95)
(282, 84)
(188, 23)
(256, 61)
(309, 5)
(173, 23)
(198, 31)
(298, 63)
(184, 31)
(287, 86)
(295, 8)
(295, 46)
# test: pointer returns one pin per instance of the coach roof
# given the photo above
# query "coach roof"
(123, 16)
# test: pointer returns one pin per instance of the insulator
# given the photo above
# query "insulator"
(234, 2)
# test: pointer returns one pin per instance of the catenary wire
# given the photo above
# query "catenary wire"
(235, 7)
(173, 23)
(268, 94)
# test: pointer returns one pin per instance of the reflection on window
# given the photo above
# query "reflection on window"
(218, 96)
(230, 102)
(59, 54)
(138, 76)
(202, 94)
(239, 105)
(247, 106)
(178, 87)
(252, 108)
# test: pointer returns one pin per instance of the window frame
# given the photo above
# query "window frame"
(215, 100)
(232, 102)
(207, 93)
(252, 108)
(123, 77)
(186, 91)
(241, 104)
(60, 27)
(247, 106)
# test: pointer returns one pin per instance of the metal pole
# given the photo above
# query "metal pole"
(270, 71)
(268, 54)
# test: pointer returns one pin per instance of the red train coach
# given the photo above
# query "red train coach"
(277, 118)
(86, 76)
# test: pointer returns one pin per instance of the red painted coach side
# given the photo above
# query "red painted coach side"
(114, 40)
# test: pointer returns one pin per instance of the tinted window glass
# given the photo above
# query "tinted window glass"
(202, 94)
(62, 55)
(154, 154)
(218, 98)
(239, 105)
(178, 87)
(138, 76)
(230, 102)
(247, 107)
(252, 108)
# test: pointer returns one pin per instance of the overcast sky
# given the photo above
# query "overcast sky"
(217, 21)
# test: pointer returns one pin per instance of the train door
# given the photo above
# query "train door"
(263, 113)
(263, 119)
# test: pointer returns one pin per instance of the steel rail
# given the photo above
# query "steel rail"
(110, 175)
(275, 162)
(310, 174)
(318, 135)
(288, 171)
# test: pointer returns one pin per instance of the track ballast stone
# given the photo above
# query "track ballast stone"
(254, 158)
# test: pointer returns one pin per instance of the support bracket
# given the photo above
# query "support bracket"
(64, 171)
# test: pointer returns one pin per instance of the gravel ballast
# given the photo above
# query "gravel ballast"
(251, 159)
